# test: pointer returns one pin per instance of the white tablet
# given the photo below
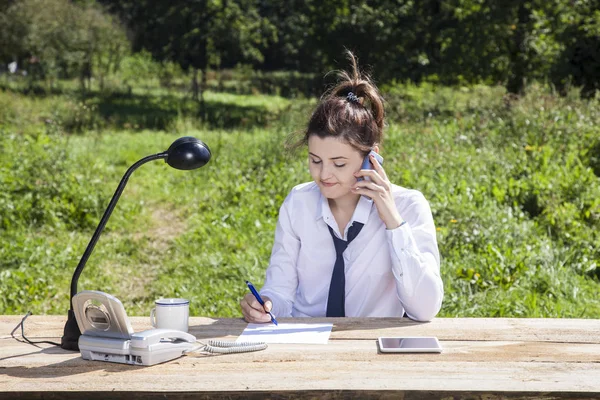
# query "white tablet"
(409, 345)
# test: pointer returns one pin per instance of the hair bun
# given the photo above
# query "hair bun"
(351, 111)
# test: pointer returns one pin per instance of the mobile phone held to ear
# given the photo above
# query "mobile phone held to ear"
(367, 162)
(409, 345)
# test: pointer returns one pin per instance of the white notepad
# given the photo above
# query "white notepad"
(286, 333)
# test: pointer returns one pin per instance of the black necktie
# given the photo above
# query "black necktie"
(337, 289)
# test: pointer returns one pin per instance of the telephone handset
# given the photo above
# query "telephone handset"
(367, 162)
(159, 345)
(152, 337)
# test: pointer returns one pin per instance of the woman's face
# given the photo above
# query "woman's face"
(332, 164)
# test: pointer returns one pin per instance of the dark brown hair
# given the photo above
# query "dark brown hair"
(358, 120)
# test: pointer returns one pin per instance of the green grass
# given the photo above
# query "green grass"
(513, 185)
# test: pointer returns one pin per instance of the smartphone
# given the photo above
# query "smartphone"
(409, 345)
(367, 162)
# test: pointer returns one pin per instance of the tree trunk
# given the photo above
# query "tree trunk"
(82, 82)
(195, 83)
(519, 53)
(433, 46)
(202, 89)
(220, 84)
(86, 76)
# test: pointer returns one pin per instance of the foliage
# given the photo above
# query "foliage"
(144, 107)
(66, 39)
(200, 34)
(450, 42)
(107, 43)
(512, 182)
(289, 84)
(139, 68)
(453, 42)
(579, 61)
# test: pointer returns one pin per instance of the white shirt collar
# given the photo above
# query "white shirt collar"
(361, 212)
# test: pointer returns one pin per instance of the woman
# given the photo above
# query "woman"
(350, 243)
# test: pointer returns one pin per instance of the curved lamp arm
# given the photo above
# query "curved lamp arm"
(104, 220)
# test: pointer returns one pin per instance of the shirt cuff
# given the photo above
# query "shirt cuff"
(403, 246)
(401, 238)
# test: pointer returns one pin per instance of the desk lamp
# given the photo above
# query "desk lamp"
(185, 153)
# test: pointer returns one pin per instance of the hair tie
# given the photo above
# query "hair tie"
(351, 97)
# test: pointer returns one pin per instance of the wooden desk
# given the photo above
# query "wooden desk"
(482, 358)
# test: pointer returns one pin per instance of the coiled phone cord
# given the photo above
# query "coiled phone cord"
(224, 347)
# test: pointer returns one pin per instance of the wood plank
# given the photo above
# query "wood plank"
(15, 354)
(250, 372)
(475, 329)
(308, 394)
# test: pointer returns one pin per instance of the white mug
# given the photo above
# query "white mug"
(171, 314)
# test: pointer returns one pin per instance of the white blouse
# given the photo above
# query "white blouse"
(388, 272)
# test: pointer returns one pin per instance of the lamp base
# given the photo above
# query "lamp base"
(70, 339)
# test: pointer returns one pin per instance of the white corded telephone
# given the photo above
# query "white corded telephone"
(107, 334)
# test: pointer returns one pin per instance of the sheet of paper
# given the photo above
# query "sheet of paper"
(286, 333)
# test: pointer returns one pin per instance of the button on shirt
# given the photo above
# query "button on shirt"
(388, 272)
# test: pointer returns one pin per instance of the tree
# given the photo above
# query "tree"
(579, 61)
(64, 40)
(107, 44)
(198, 34)
(296, 48)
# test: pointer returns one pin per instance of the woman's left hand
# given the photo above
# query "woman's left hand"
(379, 189)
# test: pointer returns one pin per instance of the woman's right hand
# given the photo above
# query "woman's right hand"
(253, 311)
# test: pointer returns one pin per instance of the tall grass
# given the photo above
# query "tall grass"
(513, 185)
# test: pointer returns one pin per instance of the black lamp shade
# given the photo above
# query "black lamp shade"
(187, 153)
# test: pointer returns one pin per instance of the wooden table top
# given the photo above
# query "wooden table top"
(481, 358)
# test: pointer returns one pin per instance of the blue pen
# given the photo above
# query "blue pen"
(260, 300)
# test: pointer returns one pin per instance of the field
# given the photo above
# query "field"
(513, 184)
